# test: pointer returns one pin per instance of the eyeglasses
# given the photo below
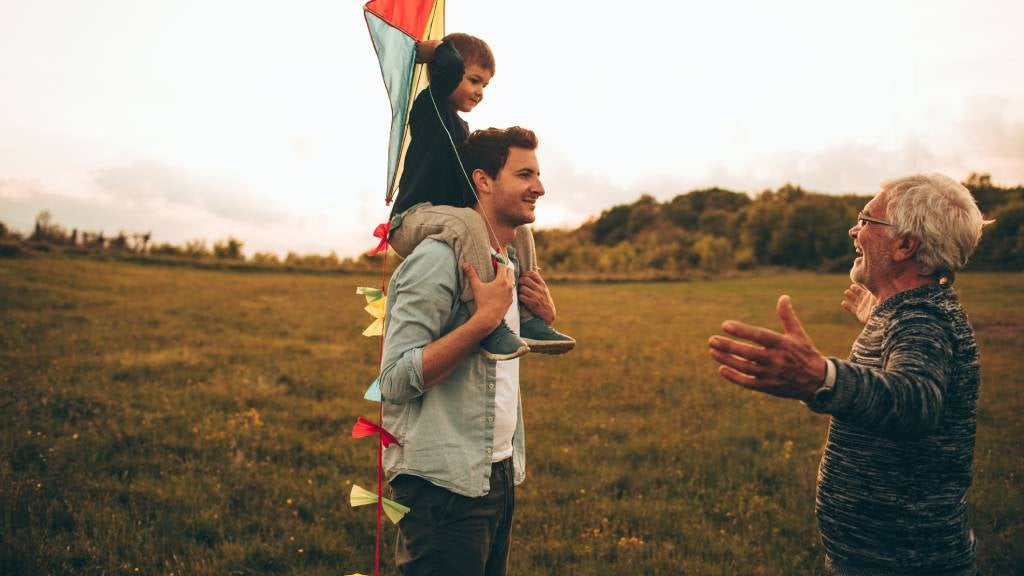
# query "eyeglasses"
(863, 219)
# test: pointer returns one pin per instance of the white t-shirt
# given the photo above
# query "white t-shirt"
(506, 393)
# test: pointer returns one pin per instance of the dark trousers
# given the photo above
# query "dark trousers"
(445, 533)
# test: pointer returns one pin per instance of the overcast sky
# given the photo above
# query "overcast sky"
(269, 121)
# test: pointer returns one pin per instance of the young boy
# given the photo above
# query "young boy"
(435, 195)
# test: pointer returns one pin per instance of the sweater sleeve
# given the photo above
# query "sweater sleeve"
(446, 72)
(905, 398)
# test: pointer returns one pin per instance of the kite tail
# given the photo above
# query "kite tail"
(380, 422)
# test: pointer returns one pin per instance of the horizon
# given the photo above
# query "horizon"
(186, 121)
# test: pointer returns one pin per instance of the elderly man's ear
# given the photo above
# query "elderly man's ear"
(906, 248)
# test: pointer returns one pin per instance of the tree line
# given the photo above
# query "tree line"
(716, 230)
(707, 231)
(48, 235)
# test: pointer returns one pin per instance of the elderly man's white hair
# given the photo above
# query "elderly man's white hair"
(940, 213)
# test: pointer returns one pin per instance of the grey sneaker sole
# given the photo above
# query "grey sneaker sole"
(550, 346)
(498, 357)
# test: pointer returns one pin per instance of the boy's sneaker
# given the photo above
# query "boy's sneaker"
(503, 344)
(545, 339)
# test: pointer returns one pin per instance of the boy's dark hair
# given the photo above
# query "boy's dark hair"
(487, 150)
(473, 50)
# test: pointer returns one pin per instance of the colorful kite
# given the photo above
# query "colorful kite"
(395, 28)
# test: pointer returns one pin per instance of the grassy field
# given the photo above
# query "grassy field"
(178, 421)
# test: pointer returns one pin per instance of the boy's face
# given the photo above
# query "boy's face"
(470, 91)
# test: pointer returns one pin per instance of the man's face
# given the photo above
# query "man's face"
(470, 91)
(874, 243)
(515, 191)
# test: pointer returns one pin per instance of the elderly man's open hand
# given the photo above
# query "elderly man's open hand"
(859, 302)
(786, 365)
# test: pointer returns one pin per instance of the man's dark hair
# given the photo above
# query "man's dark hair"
(487, 150)
(472, 49)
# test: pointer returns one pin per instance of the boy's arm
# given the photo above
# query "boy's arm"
(534, 293)
(446, 72)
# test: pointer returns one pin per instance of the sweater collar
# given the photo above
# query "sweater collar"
(919, 292)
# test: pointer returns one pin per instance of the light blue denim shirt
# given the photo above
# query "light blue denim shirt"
(446, 433)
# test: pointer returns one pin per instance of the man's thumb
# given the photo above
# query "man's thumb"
(789, 320)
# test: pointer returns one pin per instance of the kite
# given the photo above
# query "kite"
(364, 428)
(382, 231)
(361, 497)
(395, 28)
(373, 392)
(370, 293)
(376, 309)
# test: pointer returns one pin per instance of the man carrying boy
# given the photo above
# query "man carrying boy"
(457, 415)
(434, 194)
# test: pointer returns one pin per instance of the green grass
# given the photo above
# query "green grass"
(173, 420)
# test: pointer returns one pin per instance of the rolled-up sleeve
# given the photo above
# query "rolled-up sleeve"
(421, 297)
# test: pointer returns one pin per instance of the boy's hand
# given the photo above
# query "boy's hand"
(425, 50)
(534, 293)
(492, 298)
(859, 302)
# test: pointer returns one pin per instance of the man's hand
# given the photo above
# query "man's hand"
(492, 298)
(859, 302)
(425, 50)
(534, 293)
(786, 365)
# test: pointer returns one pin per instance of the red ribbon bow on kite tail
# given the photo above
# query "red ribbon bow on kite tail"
(381, 231)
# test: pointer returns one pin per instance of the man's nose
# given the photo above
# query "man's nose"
(539, 188)
(854, 230)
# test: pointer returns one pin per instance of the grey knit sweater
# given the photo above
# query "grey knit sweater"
(897, 464)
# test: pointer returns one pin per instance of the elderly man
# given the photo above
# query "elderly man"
(897, 464)
(457, 415)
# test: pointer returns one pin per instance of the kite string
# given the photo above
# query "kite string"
(462, 168)
(380, 423)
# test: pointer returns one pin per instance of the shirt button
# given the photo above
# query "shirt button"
(490, 386)
(490, 418)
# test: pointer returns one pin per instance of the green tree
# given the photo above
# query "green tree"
(610, 227)
(1002, 242)
(714, 253)
(228, 249)
(196, 249)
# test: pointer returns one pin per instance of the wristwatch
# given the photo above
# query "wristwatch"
(823, 395)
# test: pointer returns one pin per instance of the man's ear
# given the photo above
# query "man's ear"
(906, 248)
(482, 181)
